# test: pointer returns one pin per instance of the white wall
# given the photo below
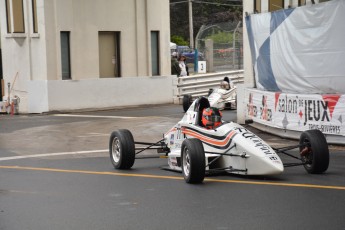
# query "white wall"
(16, 62)
(47, 96)
(85, 18)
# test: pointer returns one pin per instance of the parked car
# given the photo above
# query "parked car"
(182, 49)
(227, 53)
(190, 56)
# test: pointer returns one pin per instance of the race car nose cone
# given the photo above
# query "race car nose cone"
(271, 165)
(277, 168)
(275, 165)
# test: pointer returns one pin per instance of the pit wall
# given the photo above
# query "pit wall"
(284, 113)
(94, 94)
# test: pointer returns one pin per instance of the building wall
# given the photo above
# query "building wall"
(36, 58)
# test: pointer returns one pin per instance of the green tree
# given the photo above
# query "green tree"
(221, 37)
(204, 13)
(178, 40)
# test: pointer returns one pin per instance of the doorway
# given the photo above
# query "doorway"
(109, 54)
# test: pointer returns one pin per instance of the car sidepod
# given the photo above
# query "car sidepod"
(262, 159)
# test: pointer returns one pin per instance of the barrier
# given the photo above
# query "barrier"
(199, 85)
(289, 114)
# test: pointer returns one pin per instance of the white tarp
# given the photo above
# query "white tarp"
(173, 46)
(300, 50)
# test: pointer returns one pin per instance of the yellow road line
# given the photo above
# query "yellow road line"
(278, 184)
(90, 172)
(175, 177)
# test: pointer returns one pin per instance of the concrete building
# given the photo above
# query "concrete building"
(85, 54)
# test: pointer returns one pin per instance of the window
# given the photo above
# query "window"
(65, 55)
(301, 2)
(0, 65)
(155, 53)
(18, 16)
(34, 16)
(15, 16)
(8, 16)
(1, 76)
(276, 5)
(257, 6)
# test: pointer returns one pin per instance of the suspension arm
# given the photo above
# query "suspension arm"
(150, 145)
(283, 149)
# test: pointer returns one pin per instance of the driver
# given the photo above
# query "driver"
(211, 118)
(225, 85)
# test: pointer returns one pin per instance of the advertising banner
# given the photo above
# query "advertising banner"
(297, 112)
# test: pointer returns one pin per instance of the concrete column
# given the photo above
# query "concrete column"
(209, 55)
(141, 34)
(249, 80)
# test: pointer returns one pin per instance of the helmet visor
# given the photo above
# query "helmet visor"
(214, 118)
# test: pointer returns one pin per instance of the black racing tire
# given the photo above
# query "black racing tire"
(122, 149)
(236, 101)
(210, 91)
(233, 106)
(186, 102)
(316, 159)
(193, 161)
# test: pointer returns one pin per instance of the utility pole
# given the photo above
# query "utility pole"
(191, 39)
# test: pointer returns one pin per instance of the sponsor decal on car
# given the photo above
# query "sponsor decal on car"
(219, 142)
(172, 161)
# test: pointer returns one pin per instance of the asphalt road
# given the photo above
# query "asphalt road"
(55, 173)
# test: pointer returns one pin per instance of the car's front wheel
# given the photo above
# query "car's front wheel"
(122, 149)
(314, 151)
(193, 161)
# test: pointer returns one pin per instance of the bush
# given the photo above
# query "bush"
(221, 37)
(179, 40)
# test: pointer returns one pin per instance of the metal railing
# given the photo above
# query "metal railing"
(200, 84)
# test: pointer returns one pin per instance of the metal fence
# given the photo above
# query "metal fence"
(199, 85)
(227, 51)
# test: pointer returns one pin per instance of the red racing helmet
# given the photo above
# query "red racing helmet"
(211, 118)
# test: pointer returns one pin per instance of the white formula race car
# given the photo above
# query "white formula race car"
(196, 151)
(221, 98)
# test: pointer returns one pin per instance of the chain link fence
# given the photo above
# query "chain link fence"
(227, 39)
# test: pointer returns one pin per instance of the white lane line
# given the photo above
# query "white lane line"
(95, 135)
(52, 154)
(93, 116)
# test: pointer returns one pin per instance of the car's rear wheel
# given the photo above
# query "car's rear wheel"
(187, 101)
(122, 149)
(314, 151)
(193, 161)
(235, 103)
